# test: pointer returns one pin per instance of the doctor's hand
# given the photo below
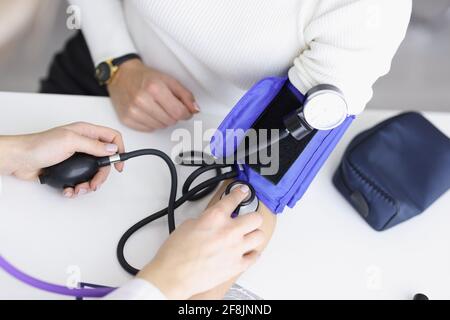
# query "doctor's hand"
(206, 252)
(146, 99)
(24, 156)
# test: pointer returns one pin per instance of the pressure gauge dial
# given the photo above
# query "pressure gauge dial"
(325, 108)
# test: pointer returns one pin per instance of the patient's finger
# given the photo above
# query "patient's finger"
(155, 111)
(141, 118)
(186, 97)
(174, 107)
(137, 125)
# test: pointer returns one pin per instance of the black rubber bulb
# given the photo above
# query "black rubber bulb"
(78, 169)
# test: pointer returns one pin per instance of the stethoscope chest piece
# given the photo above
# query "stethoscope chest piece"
(249, 205)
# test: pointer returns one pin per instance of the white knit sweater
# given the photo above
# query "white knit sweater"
(219, 48)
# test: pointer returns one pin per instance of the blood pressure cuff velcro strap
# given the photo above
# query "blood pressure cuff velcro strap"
(396, 170)
(264, 107)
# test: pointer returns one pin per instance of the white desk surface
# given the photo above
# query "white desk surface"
(320, 250)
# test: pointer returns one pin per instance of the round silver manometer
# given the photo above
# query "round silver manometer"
(325, 108)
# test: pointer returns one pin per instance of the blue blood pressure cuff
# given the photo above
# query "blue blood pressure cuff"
(395, 171)
(265, 106)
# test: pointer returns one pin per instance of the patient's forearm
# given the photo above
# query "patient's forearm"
(268, 228)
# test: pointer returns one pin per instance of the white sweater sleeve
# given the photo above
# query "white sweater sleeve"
(105, 29)
(350, 44)
(136, 289)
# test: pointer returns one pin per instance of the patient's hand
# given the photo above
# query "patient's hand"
(208, 251)
(146, 99)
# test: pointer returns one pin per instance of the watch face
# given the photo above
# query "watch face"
(325, 110)
(103, 72)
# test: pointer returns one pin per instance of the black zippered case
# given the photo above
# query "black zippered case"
(395, 170)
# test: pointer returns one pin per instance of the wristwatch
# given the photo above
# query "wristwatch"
(106, 70)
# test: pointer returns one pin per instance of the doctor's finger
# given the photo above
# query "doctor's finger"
(253, 241)
(69, 193)
(82, 189)
(230, 202)
(101, 133)
(248, 223)
(100, 178)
